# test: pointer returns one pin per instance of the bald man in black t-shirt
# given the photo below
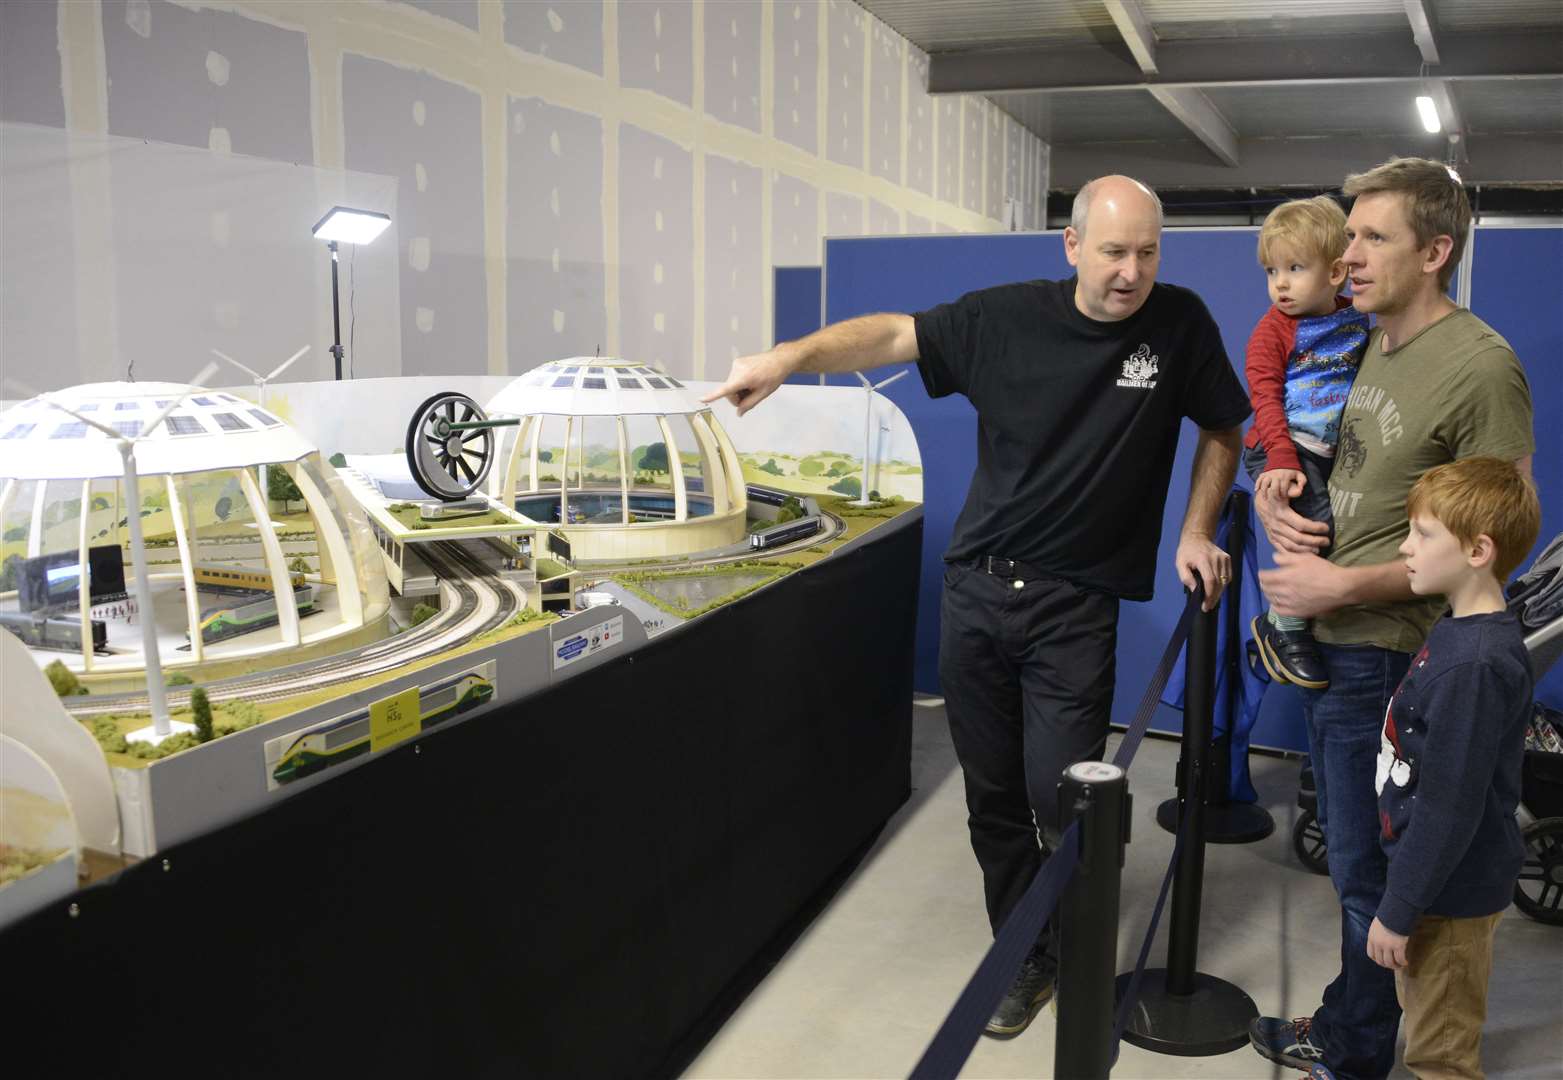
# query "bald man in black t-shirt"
(1080, 387)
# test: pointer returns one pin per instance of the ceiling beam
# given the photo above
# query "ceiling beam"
(1110, 65)
(1424, 28)
(1188, 106)
(1135, 29)
(1300, 162)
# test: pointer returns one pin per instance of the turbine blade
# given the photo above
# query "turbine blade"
(243, 367)
(110, 432)
(286, 363)
(200, 380)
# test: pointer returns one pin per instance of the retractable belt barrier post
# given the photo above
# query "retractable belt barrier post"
(1227, 822)
(1096, 795)
(1181, 1011)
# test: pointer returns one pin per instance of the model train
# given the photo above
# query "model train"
(769, 496)
(238, 578)
(348, 736)
(244, 618)
(62, 635)
(786, 533)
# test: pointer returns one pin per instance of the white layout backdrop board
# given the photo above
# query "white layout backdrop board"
(128, 257)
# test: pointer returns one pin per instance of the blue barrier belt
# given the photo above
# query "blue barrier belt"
(1131, 993)
(1152, 696)
(952, 1044)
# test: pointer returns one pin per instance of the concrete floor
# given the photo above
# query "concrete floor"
(865, 987)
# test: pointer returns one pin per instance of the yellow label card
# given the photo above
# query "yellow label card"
(393, 719)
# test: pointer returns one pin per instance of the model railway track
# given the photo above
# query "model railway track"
(475, 602)
(831, 527)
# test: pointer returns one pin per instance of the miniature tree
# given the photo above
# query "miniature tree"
(201, 714)
(811, 468)
(545, 455)
(281, 488)
(223, 508)
(299, 565)
(10, 572)
(848, 486)
(338, 460)
(179, 678)
(655, 459)
(62, 678)
(772, 468)
(422, 612)
(874, 495)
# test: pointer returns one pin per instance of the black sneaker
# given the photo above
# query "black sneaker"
(1285, 1042)
(1289, 655)
(1025, 997)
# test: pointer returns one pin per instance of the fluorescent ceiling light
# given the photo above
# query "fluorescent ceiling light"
(349, 226)
(1429, 111)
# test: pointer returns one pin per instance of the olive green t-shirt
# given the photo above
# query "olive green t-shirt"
(1454, 390)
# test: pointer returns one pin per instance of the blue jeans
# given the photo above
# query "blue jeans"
(1357, 1022)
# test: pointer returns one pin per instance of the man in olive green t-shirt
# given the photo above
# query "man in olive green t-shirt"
(1436, 384)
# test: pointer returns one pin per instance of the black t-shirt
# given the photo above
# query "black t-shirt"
(1077, 422)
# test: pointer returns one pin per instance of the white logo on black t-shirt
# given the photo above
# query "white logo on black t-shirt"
(1139, 370)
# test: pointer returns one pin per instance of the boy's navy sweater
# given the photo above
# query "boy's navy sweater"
(1449, 773)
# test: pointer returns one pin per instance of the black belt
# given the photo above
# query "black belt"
(1008, 568)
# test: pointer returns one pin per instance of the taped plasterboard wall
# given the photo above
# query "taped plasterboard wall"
(573, 175)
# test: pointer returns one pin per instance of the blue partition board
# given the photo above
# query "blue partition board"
(798, 299)
(907, 274)
(1514, 287)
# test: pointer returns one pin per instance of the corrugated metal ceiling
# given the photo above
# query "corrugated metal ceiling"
(1497, 106)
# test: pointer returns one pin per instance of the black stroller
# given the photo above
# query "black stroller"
(1537, 598)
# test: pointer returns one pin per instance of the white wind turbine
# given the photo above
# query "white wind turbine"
(868, 431)
(162, 726)
(261, 381)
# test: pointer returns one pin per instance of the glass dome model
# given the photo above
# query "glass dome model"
(627, 462)
(253, 547)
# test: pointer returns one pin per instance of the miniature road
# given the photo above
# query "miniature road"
(473, 600)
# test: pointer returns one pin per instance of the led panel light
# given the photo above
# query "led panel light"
(349, 226)
(1429, 111)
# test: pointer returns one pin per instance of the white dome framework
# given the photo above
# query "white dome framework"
(253, 547)
(626, 461)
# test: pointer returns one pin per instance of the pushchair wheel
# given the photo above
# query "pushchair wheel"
(1308, 842)
(1539, 891)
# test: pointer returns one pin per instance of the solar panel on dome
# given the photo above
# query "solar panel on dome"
(128, 428)
(570, 370)
(124, 406)
(630, 384)
(89, 406)
(184, 425)
(229, 422)
(163, 403)
(73, 430)
(565, 380)
(656, 384)
(265, 418)
(18, 431)
(674, 382)
(203, 401)
(590, 383)
(230, 397)
(594, 371)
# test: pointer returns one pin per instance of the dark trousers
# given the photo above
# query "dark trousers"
(1357, 1021)
(1314, 502)
(1028, 688)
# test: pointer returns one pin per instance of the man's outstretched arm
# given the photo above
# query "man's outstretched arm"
(853, 345)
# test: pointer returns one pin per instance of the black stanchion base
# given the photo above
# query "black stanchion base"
(1212, 1020)
(1225, 823)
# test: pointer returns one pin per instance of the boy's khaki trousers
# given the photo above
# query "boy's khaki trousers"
(1443, 990)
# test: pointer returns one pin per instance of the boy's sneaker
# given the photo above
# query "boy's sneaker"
(1320, 1072)
(1025, 997)
(1285, 1042)
(1289, 655)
